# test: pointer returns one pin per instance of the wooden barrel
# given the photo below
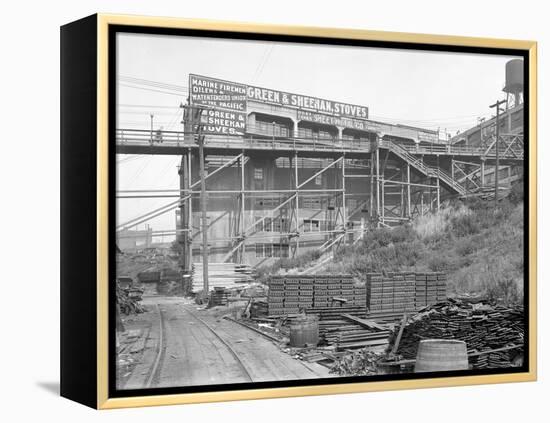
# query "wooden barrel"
(436, 355)
(304, 332)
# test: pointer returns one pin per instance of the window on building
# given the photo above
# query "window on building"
(319, 179)
(284, 250)
(268, 250)
(324, 135)
(260, 224)
(259, 250)
(305, 132)
(280, 224)
(268, 224)
(311, 225)
(258, 173)
(311, 203)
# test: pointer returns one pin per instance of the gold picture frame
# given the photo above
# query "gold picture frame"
(103, 197)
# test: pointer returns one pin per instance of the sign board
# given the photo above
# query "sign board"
(360, 125)
(227, 109)
(302, 102)
(225, 113)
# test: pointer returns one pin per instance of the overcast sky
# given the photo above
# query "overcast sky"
(427, 89)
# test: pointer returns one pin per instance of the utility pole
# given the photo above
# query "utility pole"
(152, 116)
(183, 236)
(194, 114)
(497, 164)
(197, 113)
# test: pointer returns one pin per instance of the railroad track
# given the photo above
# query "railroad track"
(242, 366)
(153, 377)
(154, 373)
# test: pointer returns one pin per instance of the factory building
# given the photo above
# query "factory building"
(322, 211)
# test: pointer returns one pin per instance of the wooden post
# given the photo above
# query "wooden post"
(409, 190)
(183, 234)
(190, 212)
(382, 201)
(243, 247)
(377, 182)
(297, 202)
(438, 194)
(344, 214)
(371, 206)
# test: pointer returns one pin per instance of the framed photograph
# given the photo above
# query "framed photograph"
(256, 211)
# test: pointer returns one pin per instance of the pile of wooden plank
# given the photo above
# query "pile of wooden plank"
(483, 327)
(346, 328)
(395, 293)
(222, 275)
(218, 297)
(291, 294)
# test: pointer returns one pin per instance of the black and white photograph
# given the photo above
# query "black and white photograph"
(310, 212)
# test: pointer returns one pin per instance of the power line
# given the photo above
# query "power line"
(148, 106)
(140, 81)
(151, 89)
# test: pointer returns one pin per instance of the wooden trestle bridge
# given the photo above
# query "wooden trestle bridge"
(401, 180)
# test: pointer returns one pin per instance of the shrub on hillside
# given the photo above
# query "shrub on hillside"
(466, 246)
(505, 291)
(403, 233)
(378, 238)
(516, 194)
(438, 263)
(464, 225)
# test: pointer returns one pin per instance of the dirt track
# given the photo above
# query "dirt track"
(199, 349)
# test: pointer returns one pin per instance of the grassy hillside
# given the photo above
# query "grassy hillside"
(480, 248)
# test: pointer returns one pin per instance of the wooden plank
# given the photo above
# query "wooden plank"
(400, 334)
(369, 324)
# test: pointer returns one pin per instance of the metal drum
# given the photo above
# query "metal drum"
(436, 355)
(304, 332)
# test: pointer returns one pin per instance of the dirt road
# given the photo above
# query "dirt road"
(186, 346)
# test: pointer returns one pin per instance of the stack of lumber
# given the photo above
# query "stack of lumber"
(430, 288)
(396, 293)
(483, 327)
(290, 294)
(218, 297)
(346, 328)
(222, 275)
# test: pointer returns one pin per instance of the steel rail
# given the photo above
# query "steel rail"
(224, 342)
(160, 351)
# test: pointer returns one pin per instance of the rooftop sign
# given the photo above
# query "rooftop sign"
(303, 102)
(233, 96)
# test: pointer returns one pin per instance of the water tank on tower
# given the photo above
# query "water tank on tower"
(514, 82)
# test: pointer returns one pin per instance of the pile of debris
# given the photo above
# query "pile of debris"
(494, 335)
(358, 363)
(128, 300)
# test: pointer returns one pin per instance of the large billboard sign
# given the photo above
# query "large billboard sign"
(226, 109)
(226, 105)
(306, 103)
(225, 112)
